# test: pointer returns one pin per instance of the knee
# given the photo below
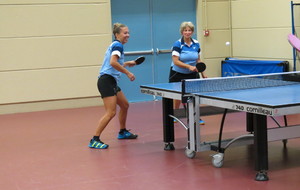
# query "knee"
(126, 105)
(111, 114)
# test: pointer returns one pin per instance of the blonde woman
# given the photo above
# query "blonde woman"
(185, 56)
(111, 93)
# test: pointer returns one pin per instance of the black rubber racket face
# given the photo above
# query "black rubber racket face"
(139, 60)
(201, 66)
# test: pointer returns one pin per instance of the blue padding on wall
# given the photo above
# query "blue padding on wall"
(238, 67)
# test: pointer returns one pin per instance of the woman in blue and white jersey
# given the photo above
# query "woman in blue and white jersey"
(185, 56)
(112, 68)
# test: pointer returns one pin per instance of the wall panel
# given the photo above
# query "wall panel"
(53, 20)
(26, 2)
(260, 13)
(48, 84)
(218, 16)
(261, 43)
(213, 67)
(52, 52)
(214, 45)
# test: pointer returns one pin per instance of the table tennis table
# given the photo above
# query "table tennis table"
(260, 96)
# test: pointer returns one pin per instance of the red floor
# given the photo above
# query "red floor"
(48, 151)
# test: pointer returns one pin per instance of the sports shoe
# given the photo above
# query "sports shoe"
(201, 122)
(97, 144)
(126, 135)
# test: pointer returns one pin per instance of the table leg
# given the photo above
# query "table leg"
(168, 123)
(249, 120)
(193, 124)
(261, 146)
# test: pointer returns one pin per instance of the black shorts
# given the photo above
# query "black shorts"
(178, 77)
(107, 86)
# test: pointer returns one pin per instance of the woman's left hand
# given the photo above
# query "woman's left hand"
(129, 63)
(203, 75)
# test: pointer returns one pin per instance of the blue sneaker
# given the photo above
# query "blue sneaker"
(126, 135)
(97, 144)
(201, 122)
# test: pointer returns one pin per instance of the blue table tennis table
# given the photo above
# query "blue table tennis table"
(260, 96)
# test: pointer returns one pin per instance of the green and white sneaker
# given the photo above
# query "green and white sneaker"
(98, 144)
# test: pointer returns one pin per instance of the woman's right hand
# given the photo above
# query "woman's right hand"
(193, 68)
(130, 76)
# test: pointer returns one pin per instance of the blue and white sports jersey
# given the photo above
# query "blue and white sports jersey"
(187, 54)
(115, 48)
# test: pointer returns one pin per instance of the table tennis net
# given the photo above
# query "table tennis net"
(239, 82)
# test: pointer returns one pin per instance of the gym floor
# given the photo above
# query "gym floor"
(48, 150)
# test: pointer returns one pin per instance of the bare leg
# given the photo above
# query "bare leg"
(176, 104)
(110, 104)
(124, 105)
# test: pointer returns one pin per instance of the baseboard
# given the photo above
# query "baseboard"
(50, 105)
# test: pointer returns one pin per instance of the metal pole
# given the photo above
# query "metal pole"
(293, 32)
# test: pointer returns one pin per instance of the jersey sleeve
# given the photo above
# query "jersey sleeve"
(176, 50)
(117, 50)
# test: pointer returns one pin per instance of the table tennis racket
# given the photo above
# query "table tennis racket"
(201, 67)
(294, 41)
(139, 60)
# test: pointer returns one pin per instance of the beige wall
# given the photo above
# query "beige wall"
(262, 31)
(257, 29)
(50, 51)
(215, 16)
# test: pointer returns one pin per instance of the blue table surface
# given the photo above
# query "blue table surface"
(173, 87)
(270, 96)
